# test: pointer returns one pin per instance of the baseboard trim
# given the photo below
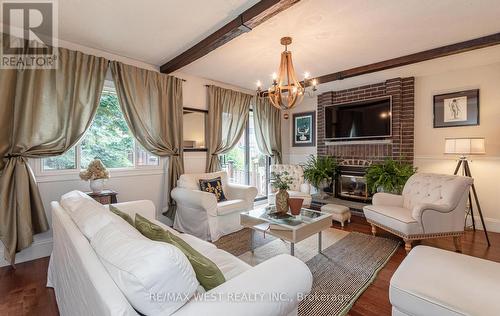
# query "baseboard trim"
(39, 249)
(492, 224)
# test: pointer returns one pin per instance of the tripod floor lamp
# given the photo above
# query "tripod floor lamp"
(465, 147)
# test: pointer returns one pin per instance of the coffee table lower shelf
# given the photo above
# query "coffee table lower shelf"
(292, 236)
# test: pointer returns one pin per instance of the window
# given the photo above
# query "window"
(245, 164)
(108, 139)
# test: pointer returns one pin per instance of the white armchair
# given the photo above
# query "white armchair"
(431, 206)
(198, 212)
(298, 189)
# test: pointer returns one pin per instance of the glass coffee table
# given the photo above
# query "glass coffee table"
(290, 228)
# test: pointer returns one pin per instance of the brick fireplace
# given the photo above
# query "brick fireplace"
(399, 146)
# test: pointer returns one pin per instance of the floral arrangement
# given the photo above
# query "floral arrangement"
(281, 180)
(96, 170)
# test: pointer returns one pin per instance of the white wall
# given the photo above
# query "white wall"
(296, 155)
(429, 142)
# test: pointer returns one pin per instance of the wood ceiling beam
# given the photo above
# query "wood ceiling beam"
(245, 22)
(443, 51)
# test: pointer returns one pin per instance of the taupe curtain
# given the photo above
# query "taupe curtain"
(44, 113)
(267, 127)
(227, 117)
(152, 105)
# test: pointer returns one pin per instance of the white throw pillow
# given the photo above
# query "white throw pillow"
(88, 214)
(155, 277)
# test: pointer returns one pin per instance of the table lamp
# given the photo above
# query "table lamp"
(466, 146)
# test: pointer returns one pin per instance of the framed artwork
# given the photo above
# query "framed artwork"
(456, 109)
(304, 129)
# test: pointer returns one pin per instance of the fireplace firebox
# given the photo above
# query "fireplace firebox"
(351, 182)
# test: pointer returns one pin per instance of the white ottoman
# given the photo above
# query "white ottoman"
(436, 282)
(340, 213)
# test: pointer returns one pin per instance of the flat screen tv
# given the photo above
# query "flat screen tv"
(360, 120)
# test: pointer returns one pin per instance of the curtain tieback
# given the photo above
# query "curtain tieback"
(8, 156)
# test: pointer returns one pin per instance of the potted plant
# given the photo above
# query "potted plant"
(96, 173)
(389, 176)
(318, 170)
(281, 181)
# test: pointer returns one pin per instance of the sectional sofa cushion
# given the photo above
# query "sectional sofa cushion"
(155, 277)
(89, 215)
(123, 215)
(207, 272)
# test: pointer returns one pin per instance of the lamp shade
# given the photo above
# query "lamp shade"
(465, 146)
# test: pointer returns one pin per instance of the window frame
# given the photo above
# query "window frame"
(246, 134)
(71, 174)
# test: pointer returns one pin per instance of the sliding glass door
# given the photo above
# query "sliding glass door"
(245, 164)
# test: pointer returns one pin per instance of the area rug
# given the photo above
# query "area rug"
(347, 266)
(304, 250)
(344, 271)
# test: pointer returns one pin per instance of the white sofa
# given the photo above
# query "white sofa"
(299, 187)
(83, 285)
(436, 282)
(431, 206)
(198, 212)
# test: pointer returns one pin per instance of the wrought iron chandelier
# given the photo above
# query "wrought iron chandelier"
(286, 90)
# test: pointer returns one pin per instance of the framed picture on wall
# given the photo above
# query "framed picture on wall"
(304, 129)
(456, 109)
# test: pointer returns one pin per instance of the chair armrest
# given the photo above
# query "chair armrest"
(239, 191)
(305, 188)
(418, 209)
(387, 199)
(145, 208)
(265, 290)
(196, 200)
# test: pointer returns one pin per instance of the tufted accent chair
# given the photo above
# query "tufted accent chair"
(431, 205)
(199, 213)
(298, 189)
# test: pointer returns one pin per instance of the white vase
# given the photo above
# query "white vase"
(97, 185)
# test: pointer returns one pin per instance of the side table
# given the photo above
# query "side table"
(104, 197)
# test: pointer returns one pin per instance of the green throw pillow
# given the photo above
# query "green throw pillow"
(207, 273)
(123, 215)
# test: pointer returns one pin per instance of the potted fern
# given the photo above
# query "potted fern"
(320, 170)
(389, 176)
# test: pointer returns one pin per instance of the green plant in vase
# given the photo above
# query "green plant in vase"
(318, 170)
(282, 182)
(389, 176)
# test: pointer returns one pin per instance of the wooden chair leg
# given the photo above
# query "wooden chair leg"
(458, 243)
(407, 246)
(374, 230)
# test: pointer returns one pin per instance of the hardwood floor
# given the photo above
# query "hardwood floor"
(23, 291)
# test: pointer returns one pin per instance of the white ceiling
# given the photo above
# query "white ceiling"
(334, 35)
(152, 31)
(328, 35)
